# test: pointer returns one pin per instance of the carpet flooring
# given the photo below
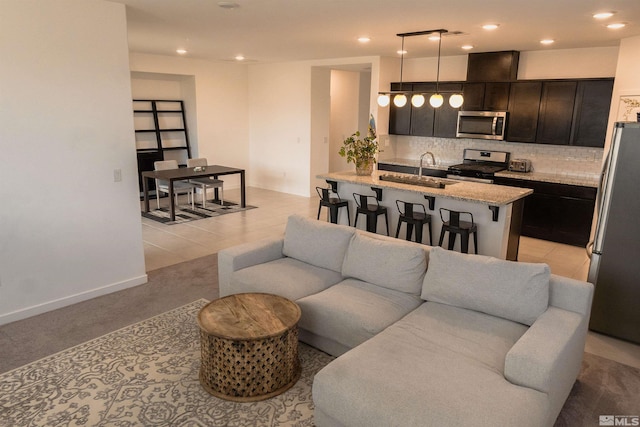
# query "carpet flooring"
(604, 387)
(184, 213)
(142, 375)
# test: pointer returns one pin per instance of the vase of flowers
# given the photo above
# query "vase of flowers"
(362, 152)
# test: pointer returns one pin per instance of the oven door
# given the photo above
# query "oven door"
(470, 178)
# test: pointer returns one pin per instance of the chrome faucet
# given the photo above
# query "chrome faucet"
(433, 161)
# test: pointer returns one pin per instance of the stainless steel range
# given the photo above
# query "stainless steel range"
(479, 165)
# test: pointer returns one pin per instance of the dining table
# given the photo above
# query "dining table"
(181, 174)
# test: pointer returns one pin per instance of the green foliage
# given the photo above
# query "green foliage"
(358, 150)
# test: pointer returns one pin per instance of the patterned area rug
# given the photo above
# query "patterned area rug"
(184, 213)
(142, 375)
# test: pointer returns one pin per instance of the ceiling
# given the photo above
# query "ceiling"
(291, 30)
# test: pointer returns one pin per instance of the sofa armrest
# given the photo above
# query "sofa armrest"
(548, 356)
(246, 255)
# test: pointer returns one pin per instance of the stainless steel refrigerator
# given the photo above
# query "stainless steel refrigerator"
(615, 258)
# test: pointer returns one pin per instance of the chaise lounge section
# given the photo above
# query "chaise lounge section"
(424, 336)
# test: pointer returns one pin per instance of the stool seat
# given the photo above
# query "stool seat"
(415, 216)
(332, 203)
(455, 226)
(371, 210)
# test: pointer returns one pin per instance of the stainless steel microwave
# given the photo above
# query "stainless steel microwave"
(482, 124)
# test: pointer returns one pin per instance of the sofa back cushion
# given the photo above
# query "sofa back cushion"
(315, 242)
(515, 291)
(393, 264)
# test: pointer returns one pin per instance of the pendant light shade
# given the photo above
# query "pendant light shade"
(400, 100)
(456, 100)
(384, 100)
(417, 100)
(436, 100)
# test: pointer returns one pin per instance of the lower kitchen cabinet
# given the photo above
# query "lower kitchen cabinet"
(556, 212)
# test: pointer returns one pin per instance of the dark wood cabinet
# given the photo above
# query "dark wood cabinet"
(400, 117)
(591, 115)
(490, 96)
(445, 119)
(422, 117)
(493, 66)
(524, 106)
(556, 112)
(556, 212)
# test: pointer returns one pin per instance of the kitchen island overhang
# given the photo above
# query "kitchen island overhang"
(496, 209)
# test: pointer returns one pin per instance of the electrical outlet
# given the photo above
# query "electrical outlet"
(117, 175)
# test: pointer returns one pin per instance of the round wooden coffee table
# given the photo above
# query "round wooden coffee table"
(249, 346)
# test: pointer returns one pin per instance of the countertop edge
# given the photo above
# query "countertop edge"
(486, 194)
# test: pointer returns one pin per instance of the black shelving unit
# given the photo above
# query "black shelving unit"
(161, 133)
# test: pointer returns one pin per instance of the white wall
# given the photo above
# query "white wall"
(68, 232)
(345, 112)
(220, 111)
(320, 122)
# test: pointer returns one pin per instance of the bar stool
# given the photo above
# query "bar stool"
(412, 218)
(371, 211)
(332, 203)
(455, 226)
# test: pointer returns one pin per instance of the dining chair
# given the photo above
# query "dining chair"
(179, 187)
(201, 184)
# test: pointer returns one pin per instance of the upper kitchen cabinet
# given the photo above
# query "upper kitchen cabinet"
(493, 66)
(422, 118)
(446, 117)
(490, 96)
(591, 115)
(400, 117)
(524, 106)
(556, 112)
(429, 121)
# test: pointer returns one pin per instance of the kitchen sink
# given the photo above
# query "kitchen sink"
(424, 181)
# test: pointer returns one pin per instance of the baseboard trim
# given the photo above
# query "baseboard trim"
(71, 299)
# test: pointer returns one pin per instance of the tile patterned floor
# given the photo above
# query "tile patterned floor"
(170, 244)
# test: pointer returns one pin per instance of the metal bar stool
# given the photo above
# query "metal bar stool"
(332, 203)
(413, 218)
(455, 226)
(371, 211)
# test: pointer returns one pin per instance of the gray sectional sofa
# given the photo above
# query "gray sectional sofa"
(425, 336)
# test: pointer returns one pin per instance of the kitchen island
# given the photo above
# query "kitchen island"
(496, 209)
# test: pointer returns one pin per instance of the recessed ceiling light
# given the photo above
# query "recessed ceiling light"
(181, 51)
(239, 57)
(547, 41)
(402, 52)
(467, 47)
(616, 26)
(364, 39)
(490, 26)
(228, 5)
(603, 15)
(434, 37)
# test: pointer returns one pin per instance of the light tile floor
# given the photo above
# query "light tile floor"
(170, 244)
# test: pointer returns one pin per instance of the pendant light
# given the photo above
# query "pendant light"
(417, 98)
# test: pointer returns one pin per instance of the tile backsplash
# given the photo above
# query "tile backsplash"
(579, 162)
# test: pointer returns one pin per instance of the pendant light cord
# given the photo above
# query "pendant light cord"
(401, 61)
(438, 72)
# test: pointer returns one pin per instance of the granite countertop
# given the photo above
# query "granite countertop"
(552, 178)
(530, 176)
(494, 195)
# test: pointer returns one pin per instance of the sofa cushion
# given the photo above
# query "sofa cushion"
(353, 311)
(396, 264)
(438, 366)
(315, 242)
(287, 277)
(516, 291)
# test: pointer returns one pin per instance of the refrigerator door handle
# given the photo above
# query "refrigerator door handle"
(603, 197)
